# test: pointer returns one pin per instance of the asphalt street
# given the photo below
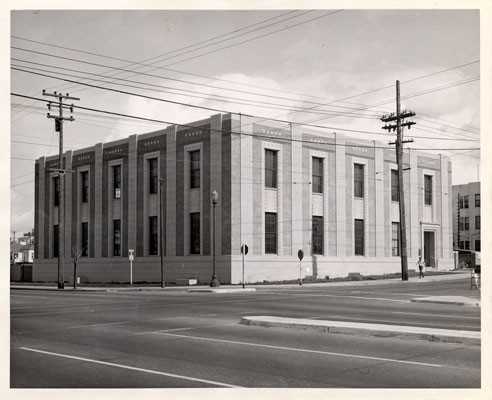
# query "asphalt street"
(174, 339)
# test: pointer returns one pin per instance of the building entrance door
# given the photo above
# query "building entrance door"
(429, 249)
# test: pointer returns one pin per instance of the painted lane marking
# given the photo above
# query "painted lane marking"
(185, 329)
(346, 297)
(148, 371)
(116, 323)
(300, 350)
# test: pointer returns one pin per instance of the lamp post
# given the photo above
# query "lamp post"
(215, 282)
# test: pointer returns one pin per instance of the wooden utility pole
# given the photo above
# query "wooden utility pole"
(398, 117)
(59, 119)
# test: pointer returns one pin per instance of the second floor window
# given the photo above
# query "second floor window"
(194, 169)
(153, 183)
(317, 175)
(477, 221)
(477, 200)
(358, 180)
(465, 201)
(56, 191)
(467, 223)
(270, 168)
(395, 193)
(117, 182)
(428, 190)
(84, 177)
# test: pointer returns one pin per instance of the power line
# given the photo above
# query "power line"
(220, 130)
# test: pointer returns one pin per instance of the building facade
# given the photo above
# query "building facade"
(466, 217)
(281, 188)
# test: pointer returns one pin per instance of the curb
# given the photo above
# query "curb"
(379, 330)
(210, 290)
(458, 301)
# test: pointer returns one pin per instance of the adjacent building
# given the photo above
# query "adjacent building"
(281, 188)
(466, 216)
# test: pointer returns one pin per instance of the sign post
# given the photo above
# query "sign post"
(244, 251)
(131, 257)
(300, 254)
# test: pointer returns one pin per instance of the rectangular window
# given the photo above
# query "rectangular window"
(395, 193)
(56, 191)
(56, 240)
(153, 236)
(270, 169)
(395, 238)
(477, 221)
(317, 175)
(194, 169)
(460, 201)
(116, 237)
(359, 237)
(317, 235)
(477, 200)
(84, 177)
(116, 181)
(461, 224)
(270, 233)
(358, 180)
(152, 175)
(467, 223)
(462, 245)
(467, 245)
(84, 245)
(465, 201)
(428, 190)
(195, 233)
(477, 245)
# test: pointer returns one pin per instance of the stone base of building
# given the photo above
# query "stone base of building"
(229, 269)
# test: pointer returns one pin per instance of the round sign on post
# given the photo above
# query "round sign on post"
(300, 254)
(244, 249)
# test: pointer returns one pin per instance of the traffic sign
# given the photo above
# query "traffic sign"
(131, 254)
(300, 254)
(244, 249)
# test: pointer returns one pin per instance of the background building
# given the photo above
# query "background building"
(466, 225)
(281, 188)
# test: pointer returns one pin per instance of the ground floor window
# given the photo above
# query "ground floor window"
(153, 236)
(395, 238)
(270, 233)
(477, 245)
(359, 237)
(56, 240)
(84, 243)
(195, 233)
(116, 237)
(317, 235)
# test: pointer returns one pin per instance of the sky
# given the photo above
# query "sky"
(330, 67)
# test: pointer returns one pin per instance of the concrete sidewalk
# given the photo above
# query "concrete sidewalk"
(355, 328)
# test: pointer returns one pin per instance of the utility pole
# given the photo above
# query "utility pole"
(399, 117)
(161, 237)
(59, 120)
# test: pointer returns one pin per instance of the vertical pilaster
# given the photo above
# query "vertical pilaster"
(341, 195)
(98, 185)
(379, 198)
(446, 193)
(68, 207)
(40, 229)
(414, 226)
(171, 186)
(133, 188)
(298, 210)
(247, 182)
(216, 178)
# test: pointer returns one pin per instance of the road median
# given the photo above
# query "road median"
(363, 329)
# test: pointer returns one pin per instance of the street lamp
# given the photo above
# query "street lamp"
(215, 282)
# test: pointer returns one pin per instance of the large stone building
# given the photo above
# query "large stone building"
(281, 188)
(466, 227)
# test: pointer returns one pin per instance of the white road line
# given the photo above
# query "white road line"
(148, 371)
(186, 329)
(136, 321)
(345, 297)
(300, 350)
